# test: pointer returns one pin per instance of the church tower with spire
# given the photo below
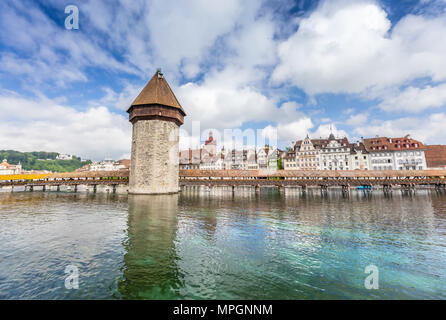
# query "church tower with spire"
(156, 116)
(210, 145)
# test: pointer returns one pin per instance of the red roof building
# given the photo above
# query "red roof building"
(396, 153)
(392, 144)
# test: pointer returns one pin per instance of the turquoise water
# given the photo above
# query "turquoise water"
(219, 246)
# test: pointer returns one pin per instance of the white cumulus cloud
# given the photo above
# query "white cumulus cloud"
(428, 129)
(414, 99)
(349, 47)
(48, 126)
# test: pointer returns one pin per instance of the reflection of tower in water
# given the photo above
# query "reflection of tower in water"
(150, 270)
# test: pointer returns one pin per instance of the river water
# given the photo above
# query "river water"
(221, 246)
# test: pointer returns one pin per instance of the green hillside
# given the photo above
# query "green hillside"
(39, 160)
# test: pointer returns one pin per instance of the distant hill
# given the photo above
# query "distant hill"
(40, 160)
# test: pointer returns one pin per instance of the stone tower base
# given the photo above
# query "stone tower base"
(154, 167)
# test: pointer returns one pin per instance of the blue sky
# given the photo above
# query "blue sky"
(363, 68)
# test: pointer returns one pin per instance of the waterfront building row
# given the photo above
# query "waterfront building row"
(251, 159)
(379, 153)
(106, 165)
(209, 158)
(331, 153)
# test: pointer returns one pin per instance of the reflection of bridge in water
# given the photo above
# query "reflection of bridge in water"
(117, 181)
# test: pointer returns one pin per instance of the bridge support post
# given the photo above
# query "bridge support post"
(304, 188)
(281, 189)
(75, 188)
(233, 190)
(257, 189)
(407, 187)
(95, 188)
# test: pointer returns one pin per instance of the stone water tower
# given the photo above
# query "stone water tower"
(156, 116)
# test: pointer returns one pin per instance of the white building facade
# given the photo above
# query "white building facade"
(359, 157)
(106, 165)
(212, 162)
(289, 161)
(307, 154)
(251, 159)
(396, 153)
(64, 157)
(7, 169)
(335, 155)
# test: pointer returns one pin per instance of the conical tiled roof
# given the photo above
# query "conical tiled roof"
(157, 91)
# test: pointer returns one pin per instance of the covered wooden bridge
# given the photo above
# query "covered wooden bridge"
(234, 178)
